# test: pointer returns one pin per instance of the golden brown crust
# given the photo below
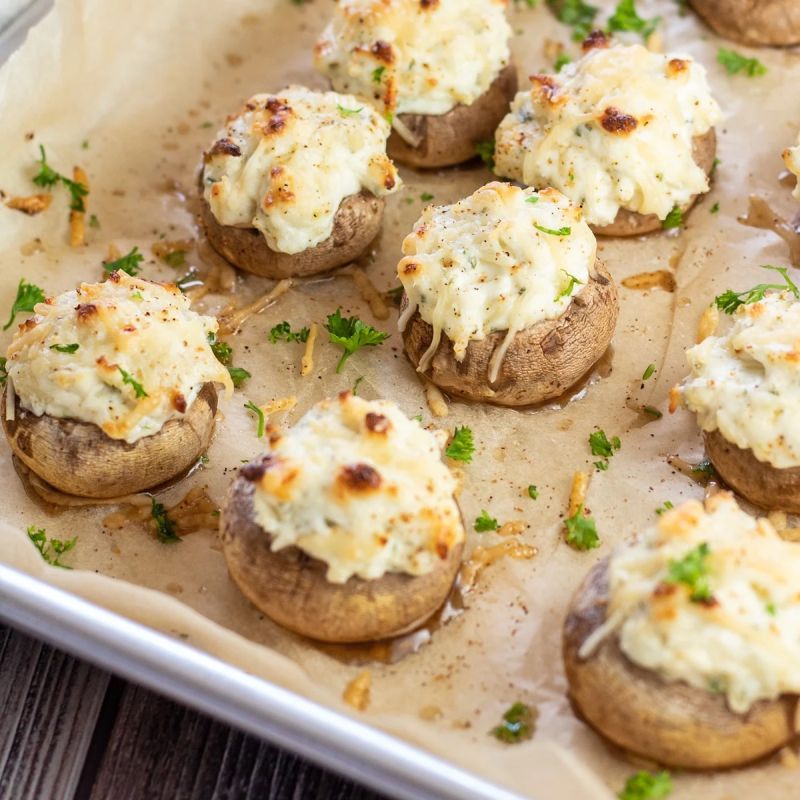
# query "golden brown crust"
(290, 586)
(357, 223)
(671, 723)
(753, 22)
(631, 223)
(757, 481)
(451, 138)
(542, 362)
(77, 458)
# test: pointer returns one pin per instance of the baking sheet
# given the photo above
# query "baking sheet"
(142, 102)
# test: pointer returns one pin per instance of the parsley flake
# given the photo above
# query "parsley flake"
(581, 531)
(736, 63)
(485, 151)
(128, 263)
(533, 492)
(565, 231)
(647, 786)
(282, 332)
(673, 220)
(462, 445)
(572, 282)
(28, 295)
(692, 571)
(349, 112)
(138, 389)
(601, 445)
(238, 376)
(52, 550)
(165, 527)
(65, 348)
(649, 372)
(3, 371)
(261, 420)
(484, 522)
(625, 18)
(729, 301)
(518, 724)
(47, 177)
(575, 13)
(668, 505)
(377, 74)
(351, 334)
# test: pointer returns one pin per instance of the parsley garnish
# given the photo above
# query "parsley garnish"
(128, 263)
(771, 609)
(652, 411)
(137, 387)
(282, 332)
(485, 523)
(581, 531)
(600, 445)
(565, 231)
(175, 258)
(485, 150)
(261, 419)
(224, 354)
(3, 371)
(165, 527)
(729, 301)
(692, 571)
(426, 197)
(714, 209)
(354, 390)
(704, 469)
(735, 63)
(561, 61)
(667, 506)
(517, 725)
(575, 13)
(647, 786)
(47, 177)
(673, 220)
(65, 348)
(94, 222)
(351, 334)
(625, 18)
(238, 375)
(377, 74)
(28, 295)
(462, 445)
(349, 112)
(572, 282)
(649, 372)
(533, 492)
(51, 551)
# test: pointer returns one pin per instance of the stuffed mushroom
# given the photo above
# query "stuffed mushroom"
(753, 22)
(294, 183)
(505, 301)
(439, 71)
(347, 530)
(742, 387)
(625, 133)
(682, 647)
(111, 388)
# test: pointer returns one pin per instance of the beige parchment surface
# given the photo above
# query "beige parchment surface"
(133, 92)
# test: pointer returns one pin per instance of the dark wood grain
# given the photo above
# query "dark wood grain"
(49, 704)
(69, 731)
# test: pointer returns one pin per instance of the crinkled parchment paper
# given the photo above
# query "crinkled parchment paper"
(145, 85)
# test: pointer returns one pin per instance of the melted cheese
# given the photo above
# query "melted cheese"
(745, 642)
(791, 157)
(124, 324)
(285, 163)
(415, 56)
(612, 130)
(361, 487)
(746, 383)
(488, 263)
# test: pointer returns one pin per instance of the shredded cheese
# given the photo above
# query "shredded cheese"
(307, 362)
(231, 319)
(368, 291)
(436, 402)
(77, 219)
(357, 691)
(791, 157)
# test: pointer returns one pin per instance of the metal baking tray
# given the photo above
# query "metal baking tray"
(190, 676)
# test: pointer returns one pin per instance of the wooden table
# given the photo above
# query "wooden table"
(69, 730)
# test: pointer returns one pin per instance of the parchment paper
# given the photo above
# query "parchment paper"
(139, 83)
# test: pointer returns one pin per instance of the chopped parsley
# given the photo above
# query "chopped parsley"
(667, 506)
(221, 350)
(565, 231)
(426, 197)
(462, 445)
(581, 531)
(282, 332)
(47, 177)
(533, 492)
(349, 112)
(377, 74)
(485, 523)
(165, 527)
(128, 263)
(533, 199)
(137, 387)
(647, 786)
(572, 282)
(3, 371)
(601, 445)
(575, 13)
(238, 375)
(673, 220)
(175, 258)
(52, 550)
(351, 334)
(561, 61)
(704, 470)
(649, 372)
(517, 725)
(260, 418)
(625, 18)
(652, 411)
(736, 63)
(485, 151)
(354, 390)
(692, 571)
(65, 348)
(771, 608)
(94, 222)
(714, 209)
(729, 301)
(28, 295)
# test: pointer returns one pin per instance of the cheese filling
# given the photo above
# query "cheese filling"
(358, 485)
(502, 259)
(415, 56)
(791, 157)
(740, 636)
(127, 355)
(746, 383)
(285, 163)
(612, 131)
